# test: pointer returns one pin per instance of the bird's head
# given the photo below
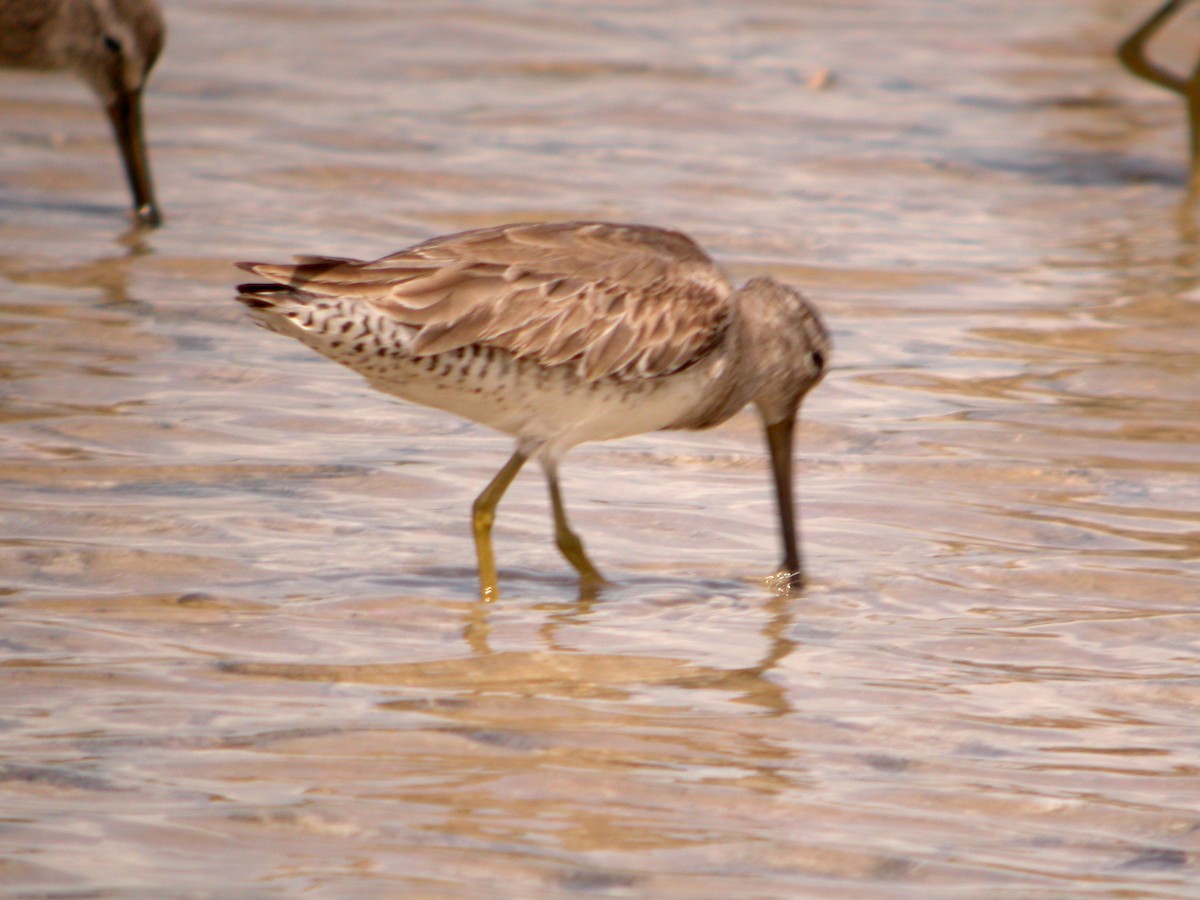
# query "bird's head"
(789, 342)
(116, 46)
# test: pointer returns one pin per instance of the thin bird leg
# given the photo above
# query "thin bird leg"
(1132, 50)
(1132, 53)
(483, 514)
(568, 541)
(1193, 103)
(780, 436)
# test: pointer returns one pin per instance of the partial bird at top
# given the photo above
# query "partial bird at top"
(110, 44)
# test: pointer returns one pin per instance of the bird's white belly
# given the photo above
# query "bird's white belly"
(547, 406)
(539, 404)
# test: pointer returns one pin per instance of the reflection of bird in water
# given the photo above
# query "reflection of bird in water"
(110, 44)
(560, 333)
(1132, 53)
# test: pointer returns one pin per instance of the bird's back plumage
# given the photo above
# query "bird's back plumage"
(612, 300)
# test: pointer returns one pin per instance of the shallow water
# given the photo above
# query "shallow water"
(242, 653)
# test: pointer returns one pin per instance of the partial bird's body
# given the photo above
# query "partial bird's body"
(110, 44)
(557, 334)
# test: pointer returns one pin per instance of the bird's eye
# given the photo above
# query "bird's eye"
(112, 44)
(818, 359)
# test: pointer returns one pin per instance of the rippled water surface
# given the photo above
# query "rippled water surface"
(241, 649)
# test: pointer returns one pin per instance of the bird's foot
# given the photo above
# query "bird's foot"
(786, 582)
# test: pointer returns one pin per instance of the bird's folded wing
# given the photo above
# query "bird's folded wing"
(616, 300)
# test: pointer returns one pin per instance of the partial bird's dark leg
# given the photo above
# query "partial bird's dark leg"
(1132, 53)
(568, 541)
(1193, 102)
(780, 438)
(483, 514)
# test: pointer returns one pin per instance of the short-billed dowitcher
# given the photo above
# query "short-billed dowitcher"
(559, 333)
(110, 44)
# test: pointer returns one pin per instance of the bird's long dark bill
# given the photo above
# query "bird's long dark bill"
(126, 117)
(779, 439)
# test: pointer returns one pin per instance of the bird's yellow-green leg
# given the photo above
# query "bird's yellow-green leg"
(483, 514)
(568, 541)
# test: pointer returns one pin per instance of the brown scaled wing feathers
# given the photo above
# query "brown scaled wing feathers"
(627, 301)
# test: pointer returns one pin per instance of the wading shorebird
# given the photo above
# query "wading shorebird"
(110, 44)
(559, 333)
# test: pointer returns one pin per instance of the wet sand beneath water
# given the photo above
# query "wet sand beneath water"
(240, 650)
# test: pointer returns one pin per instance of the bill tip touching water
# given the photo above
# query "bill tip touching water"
(110, 44)
(560, 333)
